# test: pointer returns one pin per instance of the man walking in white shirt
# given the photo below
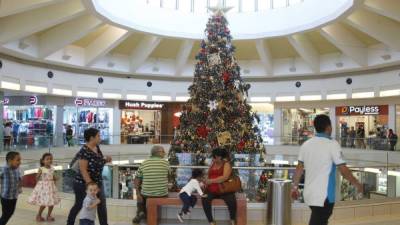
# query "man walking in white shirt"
(319, 157)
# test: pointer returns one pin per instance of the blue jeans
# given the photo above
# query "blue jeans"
(86, 222)
(188, 201)
(80, 194)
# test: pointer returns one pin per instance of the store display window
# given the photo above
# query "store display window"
(298, 124)
(32, 126)
(363, 126)
(265, 113)
(81, 118)
(140, 122)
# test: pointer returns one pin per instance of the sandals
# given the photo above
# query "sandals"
(40, 219)
(50, 219)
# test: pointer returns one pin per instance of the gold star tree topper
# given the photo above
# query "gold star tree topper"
(219, 8)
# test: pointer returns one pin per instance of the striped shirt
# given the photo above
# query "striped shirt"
(10, 180)
(154, 175)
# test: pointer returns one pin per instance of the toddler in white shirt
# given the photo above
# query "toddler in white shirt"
(186, 194)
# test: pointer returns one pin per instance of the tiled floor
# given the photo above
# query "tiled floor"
(27, 216)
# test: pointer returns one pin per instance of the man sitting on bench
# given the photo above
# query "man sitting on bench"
(151, 180)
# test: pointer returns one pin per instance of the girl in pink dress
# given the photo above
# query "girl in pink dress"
(45, 192)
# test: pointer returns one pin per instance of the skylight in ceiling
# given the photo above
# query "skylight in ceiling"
(200, 6)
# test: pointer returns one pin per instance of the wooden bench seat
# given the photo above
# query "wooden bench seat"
(154, 203)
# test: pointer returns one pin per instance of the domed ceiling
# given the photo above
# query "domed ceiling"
(159, 38)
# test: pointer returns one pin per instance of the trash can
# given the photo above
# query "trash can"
(279, 202)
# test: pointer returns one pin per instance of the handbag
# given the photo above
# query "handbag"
(232, 185)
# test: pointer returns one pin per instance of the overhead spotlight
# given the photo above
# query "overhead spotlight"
(386, 57)
(1, 64)
(66, 57)
(349, 81)
(292, 69)
(298, 84)
(110, 64)
(22, 45)
(149, 83)
(339, 64)
(155, 69)
(100, 80)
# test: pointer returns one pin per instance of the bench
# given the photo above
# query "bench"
(154, 203)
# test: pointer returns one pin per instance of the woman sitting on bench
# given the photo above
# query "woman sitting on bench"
(219, 172)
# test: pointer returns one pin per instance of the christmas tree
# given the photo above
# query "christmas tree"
(217, 113)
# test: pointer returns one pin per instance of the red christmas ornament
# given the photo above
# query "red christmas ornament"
(241, 145)
(202, 131)
(226, 76)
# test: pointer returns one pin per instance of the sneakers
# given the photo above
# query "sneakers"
(180, 217)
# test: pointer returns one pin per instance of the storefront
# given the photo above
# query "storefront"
(140, 122)
(83, 113)
(362, 126)
(265, 112)
(297, 124)
(32, 120)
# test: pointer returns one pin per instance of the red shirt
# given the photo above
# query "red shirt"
(213, 173)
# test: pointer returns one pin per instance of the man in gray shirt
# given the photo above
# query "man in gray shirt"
(89, 207)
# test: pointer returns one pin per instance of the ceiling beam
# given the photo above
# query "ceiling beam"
(66, 33)
(347, 42)
(143, 51)
(381, 28)
(25, 24)
(11, 7)
(306, 50)
(388, 8)
(183, 56)
(108, 40)
(265, 55)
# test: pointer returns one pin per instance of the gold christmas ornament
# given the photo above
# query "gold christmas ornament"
(224, 138)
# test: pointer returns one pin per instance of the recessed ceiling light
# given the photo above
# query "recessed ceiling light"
(363, 95)
(182, 98)
(386, 57)
(339, 64)
(64, 92)
(136, 97)
(10, 85)
(112, 95)
(23, 45)
(336, 96)
(310, 98)
(110, 64)
(66, 57)
(260, 99)
(285, 99)
(36, 89)
(389, 93)
(87, 94)
(161, 98)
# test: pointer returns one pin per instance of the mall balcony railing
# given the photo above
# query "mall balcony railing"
(56, 141)
(378, 181)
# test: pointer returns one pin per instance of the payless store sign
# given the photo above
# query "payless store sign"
(362, 110)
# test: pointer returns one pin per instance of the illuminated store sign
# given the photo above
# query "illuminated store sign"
(90, 102)
(362, 110)
(139, 105)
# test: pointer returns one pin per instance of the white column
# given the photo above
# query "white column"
(332, 116)
(392, 117)
(116, 131)
(58, 126)
(277, 125)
